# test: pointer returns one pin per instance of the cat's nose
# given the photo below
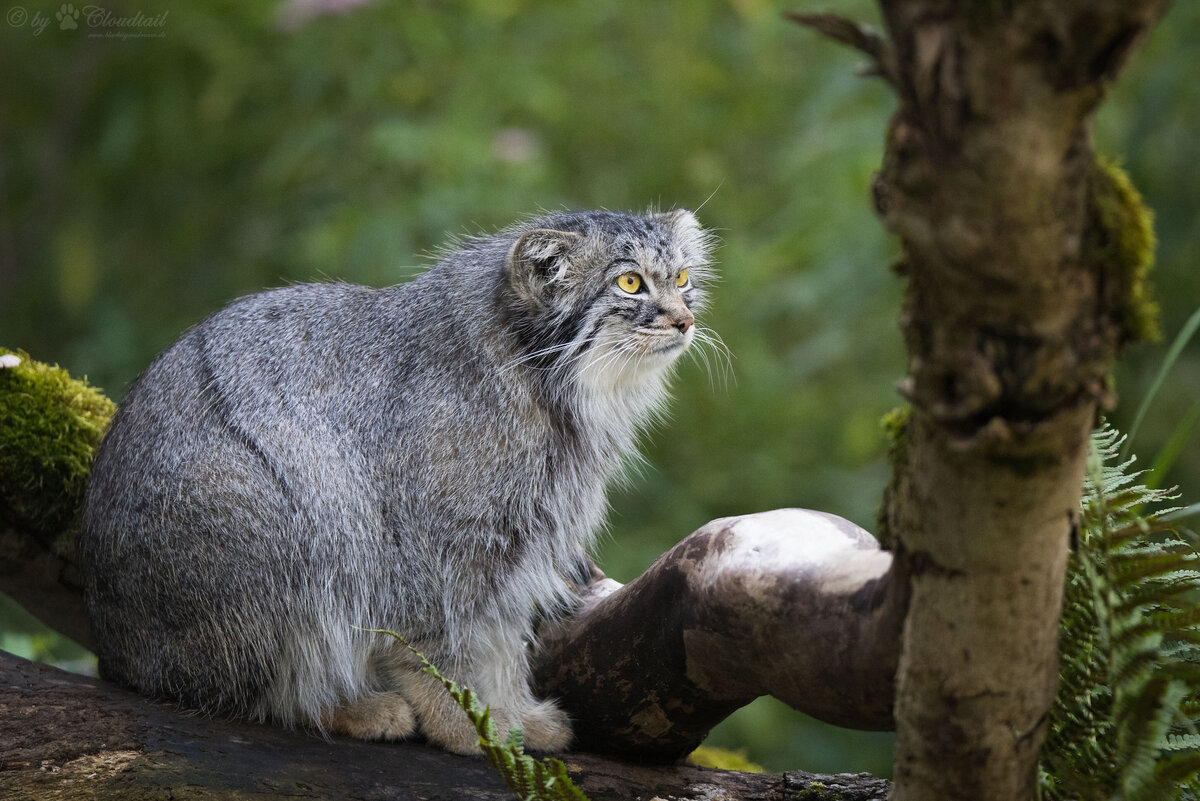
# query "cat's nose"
(682, 324)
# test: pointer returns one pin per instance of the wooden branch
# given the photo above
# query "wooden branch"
(852, 34)
(48, 583)
(791, 603)
(647, 670)
(67, 736)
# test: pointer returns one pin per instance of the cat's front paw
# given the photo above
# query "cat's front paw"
(441, 719)
(546, 727)
(450, 728)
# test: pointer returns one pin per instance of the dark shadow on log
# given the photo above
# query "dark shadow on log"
(46, 582)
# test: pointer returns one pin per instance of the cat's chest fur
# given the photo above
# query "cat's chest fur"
(486, 446)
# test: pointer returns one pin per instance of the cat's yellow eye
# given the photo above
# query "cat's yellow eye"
(629, 282)
(682, 280)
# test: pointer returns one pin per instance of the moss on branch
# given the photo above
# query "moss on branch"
(50, 426)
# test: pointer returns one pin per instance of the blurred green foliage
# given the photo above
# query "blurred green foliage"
(146, 181)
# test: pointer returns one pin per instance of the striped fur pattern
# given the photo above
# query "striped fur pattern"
(430, 458)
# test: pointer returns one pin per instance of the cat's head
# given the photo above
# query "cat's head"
(611, 295)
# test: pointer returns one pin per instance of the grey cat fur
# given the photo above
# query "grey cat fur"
(430, 458)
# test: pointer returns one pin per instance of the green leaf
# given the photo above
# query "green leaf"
(1180, 342)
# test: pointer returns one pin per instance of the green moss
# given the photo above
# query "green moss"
(1121, 240)
(817, 791)
(895, 428)
(722, 758)
(50, 426)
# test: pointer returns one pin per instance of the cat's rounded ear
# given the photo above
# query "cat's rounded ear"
(538, 258)
(678, 219)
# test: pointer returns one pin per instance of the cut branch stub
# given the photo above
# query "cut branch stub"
(791, 603)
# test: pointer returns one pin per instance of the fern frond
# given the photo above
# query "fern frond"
(1173, 592)
(1138, 529)
(1134, 566)
(1182, 742)
(1125, 723)
(1149, 627)
(1173, 773)
(530, 779)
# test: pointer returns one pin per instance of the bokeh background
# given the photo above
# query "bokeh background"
(149, 173)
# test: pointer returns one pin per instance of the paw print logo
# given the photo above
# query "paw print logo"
(67, 16)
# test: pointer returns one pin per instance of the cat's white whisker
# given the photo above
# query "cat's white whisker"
(547, 351)
(709, 344)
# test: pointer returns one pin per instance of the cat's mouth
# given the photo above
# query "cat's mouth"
(664, 341)
(634, 358)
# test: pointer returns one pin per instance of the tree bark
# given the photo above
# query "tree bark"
(1012, 327)
(67, 736)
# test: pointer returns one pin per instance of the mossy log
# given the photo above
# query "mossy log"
(792, 603)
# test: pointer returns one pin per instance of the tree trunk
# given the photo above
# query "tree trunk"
(1012, 320)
